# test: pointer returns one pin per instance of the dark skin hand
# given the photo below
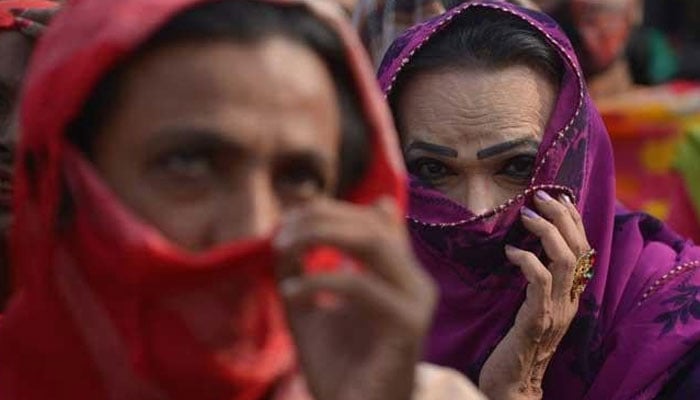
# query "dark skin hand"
(375, 329)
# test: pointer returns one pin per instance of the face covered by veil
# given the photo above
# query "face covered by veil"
(638, 326)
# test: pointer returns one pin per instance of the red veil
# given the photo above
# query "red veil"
(106, 306)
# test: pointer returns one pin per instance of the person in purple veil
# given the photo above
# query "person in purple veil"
(544, 277)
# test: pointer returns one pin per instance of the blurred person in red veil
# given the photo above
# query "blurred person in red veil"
(21, 23)
(209, 204)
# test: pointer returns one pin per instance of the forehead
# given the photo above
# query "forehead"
(15, 49)
(264, 93)
(462, 105)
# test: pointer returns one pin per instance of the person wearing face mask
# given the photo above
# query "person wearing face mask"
(648, 125)
(21, 23)
(513, 211)
(208, 205)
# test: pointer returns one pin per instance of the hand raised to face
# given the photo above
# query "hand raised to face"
(365, 344)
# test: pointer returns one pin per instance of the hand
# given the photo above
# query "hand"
(516, 367)
(366, 344)
(33, 22)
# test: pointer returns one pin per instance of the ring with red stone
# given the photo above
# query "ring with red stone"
(583, 273)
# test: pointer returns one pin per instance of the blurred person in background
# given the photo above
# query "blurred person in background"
(379, 22)
(208, 204)
(21, 23)
(649, 126)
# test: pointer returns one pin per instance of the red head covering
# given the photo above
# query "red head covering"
(7, 19)
(108, 308)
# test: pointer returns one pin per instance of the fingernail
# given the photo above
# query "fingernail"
(529, 213)
(509, 248)
(566, 199)
(543, 196)
(290, 286)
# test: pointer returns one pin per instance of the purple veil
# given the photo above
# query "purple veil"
(637, 333)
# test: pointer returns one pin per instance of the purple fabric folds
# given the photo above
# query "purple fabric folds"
(637, 333)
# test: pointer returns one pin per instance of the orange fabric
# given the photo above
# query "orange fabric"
(106, 306)
(646, 127)
(7, 20)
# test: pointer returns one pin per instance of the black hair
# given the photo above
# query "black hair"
(482, 38)
(247, 22)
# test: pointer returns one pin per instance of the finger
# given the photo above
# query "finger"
(29, 27)
(362, 232)
(553, 242)
(561, 217)
(361, 290)
(575, 215)
(39, 15)
(562, 258)
(539, 289)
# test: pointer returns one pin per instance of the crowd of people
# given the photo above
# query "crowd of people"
(343, 200)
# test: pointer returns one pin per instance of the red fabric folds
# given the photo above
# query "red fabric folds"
(107, 308)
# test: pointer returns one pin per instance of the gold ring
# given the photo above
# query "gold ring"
(583, 273)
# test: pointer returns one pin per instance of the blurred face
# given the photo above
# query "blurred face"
(474, 134)
(14, 54)
(603, 27)
(380, 22)
(214, 141)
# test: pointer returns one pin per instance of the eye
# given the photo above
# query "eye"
(429, 170)
(300, 179)
(187, 164)
(519, 168)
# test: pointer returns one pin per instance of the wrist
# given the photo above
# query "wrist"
(514, 391)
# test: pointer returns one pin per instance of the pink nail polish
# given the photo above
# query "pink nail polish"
(543, 196)
(529, 213)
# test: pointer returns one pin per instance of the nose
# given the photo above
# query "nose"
(252, 210)
(478, 195)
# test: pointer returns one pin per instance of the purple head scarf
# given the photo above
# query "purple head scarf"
(637, 333)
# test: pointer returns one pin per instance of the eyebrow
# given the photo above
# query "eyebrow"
(432, 148)
(204, 138)
(506, 146)
(194, 137)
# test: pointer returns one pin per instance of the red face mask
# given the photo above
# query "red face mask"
(604, 29)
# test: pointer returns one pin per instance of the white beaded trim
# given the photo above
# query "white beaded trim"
(455, 12)
(498, 209)
(667, 277)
